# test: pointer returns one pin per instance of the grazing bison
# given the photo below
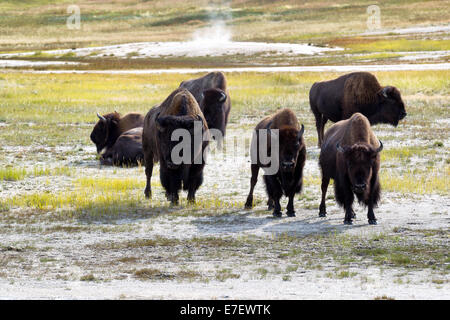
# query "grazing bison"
(291, 158)
(127, 151)
(212, 95)
(178, 111)
(350, 156)
(110, 126)
(338, 99)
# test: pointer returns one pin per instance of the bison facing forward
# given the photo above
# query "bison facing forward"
(212, 95)
(350, 156)
(291, 158)
(338, 99)
(178, 111)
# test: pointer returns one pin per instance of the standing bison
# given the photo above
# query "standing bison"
(127, 151)
(350, 156)
(212, 95)
(338, 99)
(291, 159)
(178, 111)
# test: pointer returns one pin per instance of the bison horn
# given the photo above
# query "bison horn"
(380, 147)
(302, 130)
(101, 117)
(223, 97)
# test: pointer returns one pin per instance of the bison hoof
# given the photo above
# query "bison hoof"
(249, 204)
(322, 214)
(270, 205)
(290, 213)
(147, 194)
(373, 221)
(348, 222)
(277, 214)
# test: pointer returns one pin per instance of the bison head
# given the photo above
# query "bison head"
(290, 142)
(101, 134)
(213, 108)
(359, 160)
(392, 108)
(183, 139)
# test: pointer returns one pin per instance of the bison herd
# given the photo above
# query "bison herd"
(350, 151)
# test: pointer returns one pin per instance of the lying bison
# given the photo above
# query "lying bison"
(178, 111)
(212, 95)
(350, 156)
(288, 178)
(127, 151)
(110, 126)
(338, 99)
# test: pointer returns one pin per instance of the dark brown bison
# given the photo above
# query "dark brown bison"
(178, 111)
(110, 126)
(213, 97)
(288, 178)
(127, 151)
(338, 99)
(350, 156)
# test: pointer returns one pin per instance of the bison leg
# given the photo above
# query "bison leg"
(318, 117)
(371, 215)
(270, 204)
(253, 180)
(148, 173)
(348, 215)
(274, 190)
(322, 128)
(194, 181)
(290, 207)
(322, 208)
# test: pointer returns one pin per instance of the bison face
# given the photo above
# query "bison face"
(392, 108)
(213, 108)
(100, 135)
(181, 129)
(291, 142)
(359, 160)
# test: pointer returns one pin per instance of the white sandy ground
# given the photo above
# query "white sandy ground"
(345, 68)
(66, 249)
(195, 48)
(25, 63)
(411, 30)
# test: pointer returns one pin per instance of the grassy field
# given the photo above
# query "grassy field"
(43, 27)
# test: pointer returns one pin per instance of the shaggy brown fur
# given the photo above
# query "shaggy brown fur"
(338, 99)
(106, 132)
(127, 151)
(157, 145)
(292, 156)
(211, 80)
(350, 156)
(208, 91)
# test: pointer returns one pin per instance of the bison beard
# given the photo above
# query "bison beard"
(178, 111)
(350, 156)
(340, 98)
(292, 155)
